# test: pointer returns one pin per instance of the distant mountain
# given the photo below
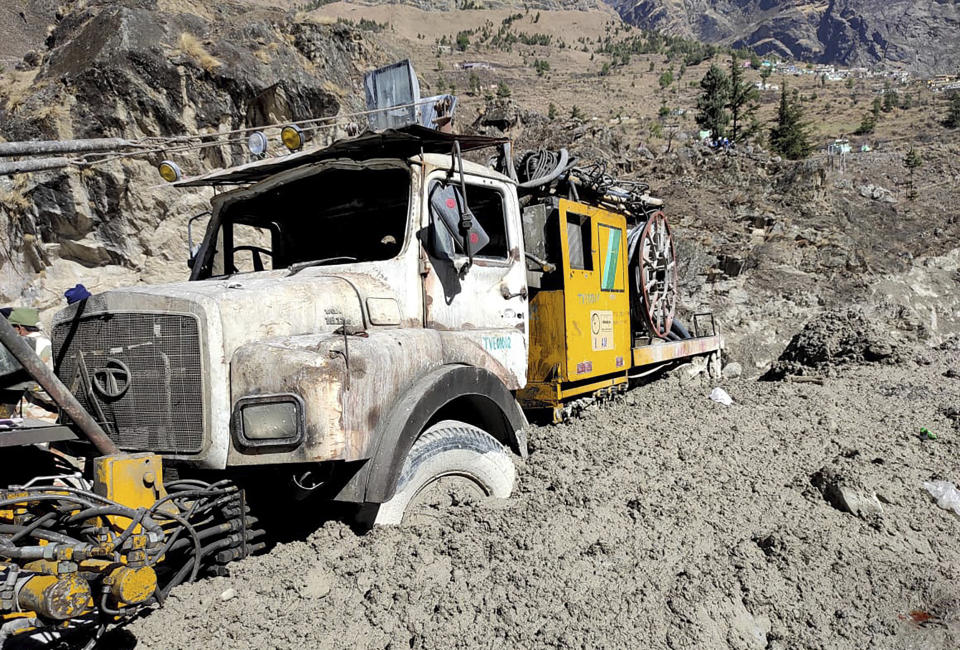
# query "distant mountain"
(451, 5)
(918, 35)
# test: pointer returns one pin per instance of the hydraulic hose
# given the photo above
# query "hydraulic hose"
(543, 180)
(36, 523)
(38, 533)
(678, 329)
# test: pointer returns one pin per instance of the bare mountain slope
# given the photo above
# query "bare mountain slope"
(922, 36)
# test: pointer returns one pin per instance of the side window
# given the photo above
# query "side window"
(579, 242)
(611, 277)
(486, 204)
(252, 248)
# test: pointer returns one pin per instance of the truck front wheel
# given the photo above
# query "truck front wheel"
(451, 463)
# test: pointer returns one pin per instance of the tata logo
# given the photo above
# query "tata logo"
(112, 379)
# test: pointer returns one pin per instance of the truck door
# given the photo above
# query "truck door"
(484, 305)
(596, 303)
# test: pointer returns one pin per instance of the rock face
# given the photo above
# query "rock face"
(140, 69)
(24, 24)
(921, 36)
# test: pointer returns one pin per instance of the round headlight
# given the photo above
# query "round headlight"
(292, 137)
(257, 143)
(169, 171)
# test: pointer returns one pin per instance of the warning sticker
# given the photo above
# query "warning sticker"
(601, 329)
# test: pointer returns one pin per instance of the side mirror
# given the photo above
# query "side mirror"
(446, 211)
(193, 249)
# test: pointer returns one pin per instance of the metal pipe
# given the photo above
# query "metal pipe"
(34, 165)
(35, 147)
(39, 371)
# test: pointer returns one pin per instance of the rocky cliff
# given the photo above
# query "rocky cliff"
(920, 36)
(141, 68)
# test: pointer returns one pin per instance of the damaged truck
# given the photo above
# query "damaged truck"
(369, 322)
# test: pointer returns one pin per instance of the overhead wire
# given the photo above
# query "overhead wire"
(151, 145)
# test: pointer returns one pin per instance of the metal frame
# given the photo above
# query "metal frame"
(202, 330)
(696, 324)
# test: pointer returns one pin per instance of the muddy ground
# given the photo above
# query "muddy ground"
(663, 521)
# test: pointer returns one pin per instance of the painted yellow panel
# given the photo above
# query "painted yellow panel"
(596, 305)
(546, 337)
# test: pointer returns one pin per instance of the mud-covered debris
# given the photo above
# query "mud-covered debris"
(952, 413)
(830, 340)
(732, 370)
(845, 495)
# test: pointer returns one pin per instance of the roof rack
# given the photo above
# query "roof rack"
(392, 143)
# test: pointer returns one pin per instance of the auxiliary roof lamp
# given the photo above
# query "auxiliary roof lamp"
(257, 143)
(292, 137)
(169, 171)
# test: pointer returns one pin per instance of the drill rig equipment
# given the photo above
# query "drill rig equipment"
(81, 550)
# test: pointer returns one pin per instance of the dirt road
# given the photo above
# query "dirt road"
(664, 521)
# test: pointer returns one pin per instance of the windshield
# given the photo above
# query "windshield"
(340, 215)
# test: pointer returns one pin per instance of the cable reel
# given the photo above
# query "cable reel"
(654, 267)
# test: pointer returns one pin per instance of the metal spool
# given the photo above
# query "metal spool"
(655, 273)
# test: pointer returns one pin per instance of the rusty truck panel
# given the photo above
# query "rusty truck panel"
(347, 380)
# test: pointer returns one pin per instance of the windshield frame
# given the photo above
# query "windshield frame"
(221, 205)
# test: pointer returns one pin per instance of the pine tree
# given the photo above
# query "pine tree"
(712, 103)
(953, 112)
(867, 125)
(742, 102)
(912, 161)
(789, 137)
(890, 100)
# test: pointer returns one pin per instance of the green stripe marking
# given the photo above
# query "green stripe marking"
(613, 258)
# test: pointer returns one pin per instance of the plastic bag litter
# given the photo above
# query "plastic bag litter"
(721, 396)
(946, 494)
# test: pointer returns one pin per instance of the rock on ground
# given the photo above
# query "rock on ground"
(794, 518)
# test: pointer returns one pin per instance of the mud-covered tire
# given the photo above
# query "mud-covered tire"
(450, 449)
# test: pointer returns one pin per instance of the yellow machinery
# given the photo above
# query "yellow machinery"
(580, 331)
(81, 550)
(584, 338)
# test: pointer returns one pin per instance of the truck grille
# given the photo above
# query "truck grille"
(144, 371)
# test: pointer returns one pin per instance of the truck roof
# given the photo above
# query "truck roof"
(392, 143)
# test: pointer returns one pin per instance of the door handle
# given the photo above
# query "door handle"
(507, 294)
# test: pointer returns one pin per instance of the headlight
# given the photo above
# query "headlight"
(268, 420)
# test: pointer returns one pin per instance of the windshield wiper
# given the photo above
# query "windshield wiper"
(299, 266)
